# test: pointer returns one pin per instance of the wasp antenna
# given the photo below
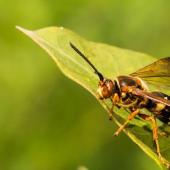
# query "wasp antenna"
(86, 59)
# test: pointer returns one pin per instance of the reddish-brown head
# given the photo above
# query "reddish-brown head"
(105, 88)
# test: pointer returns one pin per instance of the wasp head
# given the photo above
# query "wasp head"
(105, 88)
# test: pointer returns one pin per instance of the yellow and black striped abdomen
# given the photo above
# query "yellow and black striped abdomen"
(161, 111)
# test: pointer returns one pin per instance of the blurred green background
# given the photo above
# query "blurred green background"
(48, 122)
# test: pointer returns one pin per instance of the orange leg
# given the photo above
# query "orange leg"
(154, 130)
(111, 113)
(155, 136)
(130, 117)
(114, 100)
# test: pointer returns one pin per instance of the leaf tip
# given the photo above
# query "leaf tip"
(17, 27)
(20, 28)
(23, 30)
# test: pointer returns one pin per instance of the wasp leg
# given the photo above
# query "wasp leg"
(164, 134)
(111, 113)
(114, 100)
(154, 130)
(130, 117)
(155, 136)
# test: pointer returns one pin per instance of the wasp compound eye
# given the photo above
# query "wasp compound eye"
(110, 85)
(105, 89)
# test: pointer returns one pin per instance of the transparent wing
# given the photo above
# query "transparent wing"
(151, 96)
(156, 74)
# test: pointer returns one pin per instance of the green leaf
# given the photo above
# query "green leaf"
(111, 61)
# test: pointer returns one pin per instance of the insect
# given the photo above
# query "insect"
(131, 92)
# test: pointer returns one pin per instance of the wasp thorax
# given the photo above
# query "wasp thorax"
(105, 88)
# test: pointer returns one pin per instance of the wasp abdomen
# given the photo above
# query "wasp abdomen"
(164, 116)
(161, 110)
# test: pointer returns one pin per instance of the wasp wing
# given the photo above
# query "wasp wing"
(156, 74)
(151, 96)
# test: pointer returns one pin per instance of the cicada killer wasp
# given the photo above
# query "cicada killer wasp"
(131, 92)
